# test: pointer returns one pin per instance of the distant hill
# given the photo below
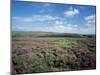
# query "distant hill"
(49, 34)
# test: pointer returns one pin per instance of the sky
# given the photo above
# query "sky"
(53, 17)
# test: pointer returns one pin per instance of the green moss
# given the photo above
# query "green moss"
(64, 43)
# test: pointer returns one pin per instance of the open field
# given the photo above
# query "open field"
(34, 52)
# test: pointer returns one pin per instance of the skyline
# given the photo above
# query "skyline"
(53, 17)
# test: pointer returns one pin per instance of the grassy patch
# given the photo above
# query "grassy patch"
(63, 43)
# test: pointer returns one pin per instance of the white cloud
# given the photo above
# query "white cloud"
(90, 24)
(43, 17)
(46, 8)
(75, 26)
(71, 12)
(72, 28)
(90, 20)
(57, 25)
(47, 4)
(61, 27)
(90, 17)
(27, 19)
(20, 28)
(35, 18)
(22, 19)
(58, 22)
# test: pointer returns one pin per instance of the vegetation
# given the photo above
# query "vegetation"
(64, 43)
(33, 54)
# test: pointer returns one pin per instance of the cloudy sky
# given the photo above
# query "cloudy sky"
(50, 17)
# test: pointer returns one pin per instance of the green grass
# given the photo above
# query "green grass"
(64, 43)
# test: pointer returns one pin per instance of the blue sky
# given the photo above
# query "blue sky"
(51, 17)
